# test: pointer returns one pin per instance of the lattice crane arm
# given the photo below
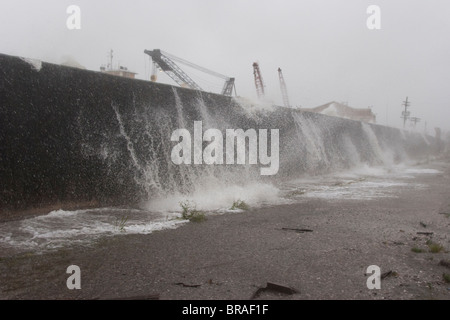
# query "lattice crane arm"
(172, 70)
(166, 62)
(283, 88)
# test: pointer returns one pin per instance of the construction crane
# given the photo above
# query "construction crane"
(283, 89)
(165, 61)
(258, 80)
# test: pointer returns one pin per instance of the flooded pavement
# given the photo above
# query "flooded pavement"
(389, 217)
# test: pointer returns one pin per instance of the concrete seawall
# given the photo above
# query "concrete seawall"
(75, 136)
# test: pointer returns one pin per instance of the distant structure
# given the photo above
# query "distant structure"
(283, 88)
(71, 62)
(337, 109)
(414, 121)
(166, 62)
(259, 83)
(120, 71)
(406, 114)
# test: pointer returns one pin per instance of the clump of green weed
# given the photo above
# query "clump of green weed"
(446, 277)
(190, 212)
(434, 247)
(197, 216)
(417, 250)
(119, 224)
(297, 193)
(239, 204)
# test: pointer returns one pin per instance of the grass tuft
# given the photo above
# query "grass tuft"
(120, 223)
(435, 247)
(446, 277)
(239, 204)
(417, 250)
(190, 212)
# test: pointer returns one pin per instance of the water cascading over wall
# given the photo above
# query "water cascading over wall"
(75, 136)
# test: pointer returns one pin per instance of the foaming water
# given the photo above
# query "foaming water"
(219, 198)
(62, 228)
(361, 183)
(422, 171)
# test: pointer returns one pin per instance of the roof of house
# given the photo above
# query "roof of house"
(337, 109)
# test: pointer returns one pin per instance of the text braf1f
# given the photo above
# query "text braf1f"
(213, 152)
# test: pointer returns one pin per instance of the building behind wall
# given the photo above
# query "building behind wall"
(341, 110)
(121, 72)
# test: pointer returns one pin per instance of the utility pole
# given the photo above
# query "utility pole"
(406, 113)
(414, 120)
(110, 54)
(387, 122)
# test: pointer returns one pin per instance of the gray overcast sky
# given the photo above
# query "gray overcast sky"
(324, 47)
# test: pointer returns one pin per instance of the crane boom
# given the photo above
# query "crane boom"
(193, 65)
(166, 62)
(259, 84)
(172, 70)
(283, 89)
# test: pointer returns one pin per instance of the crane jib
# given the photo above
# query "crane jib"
(166, 62)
